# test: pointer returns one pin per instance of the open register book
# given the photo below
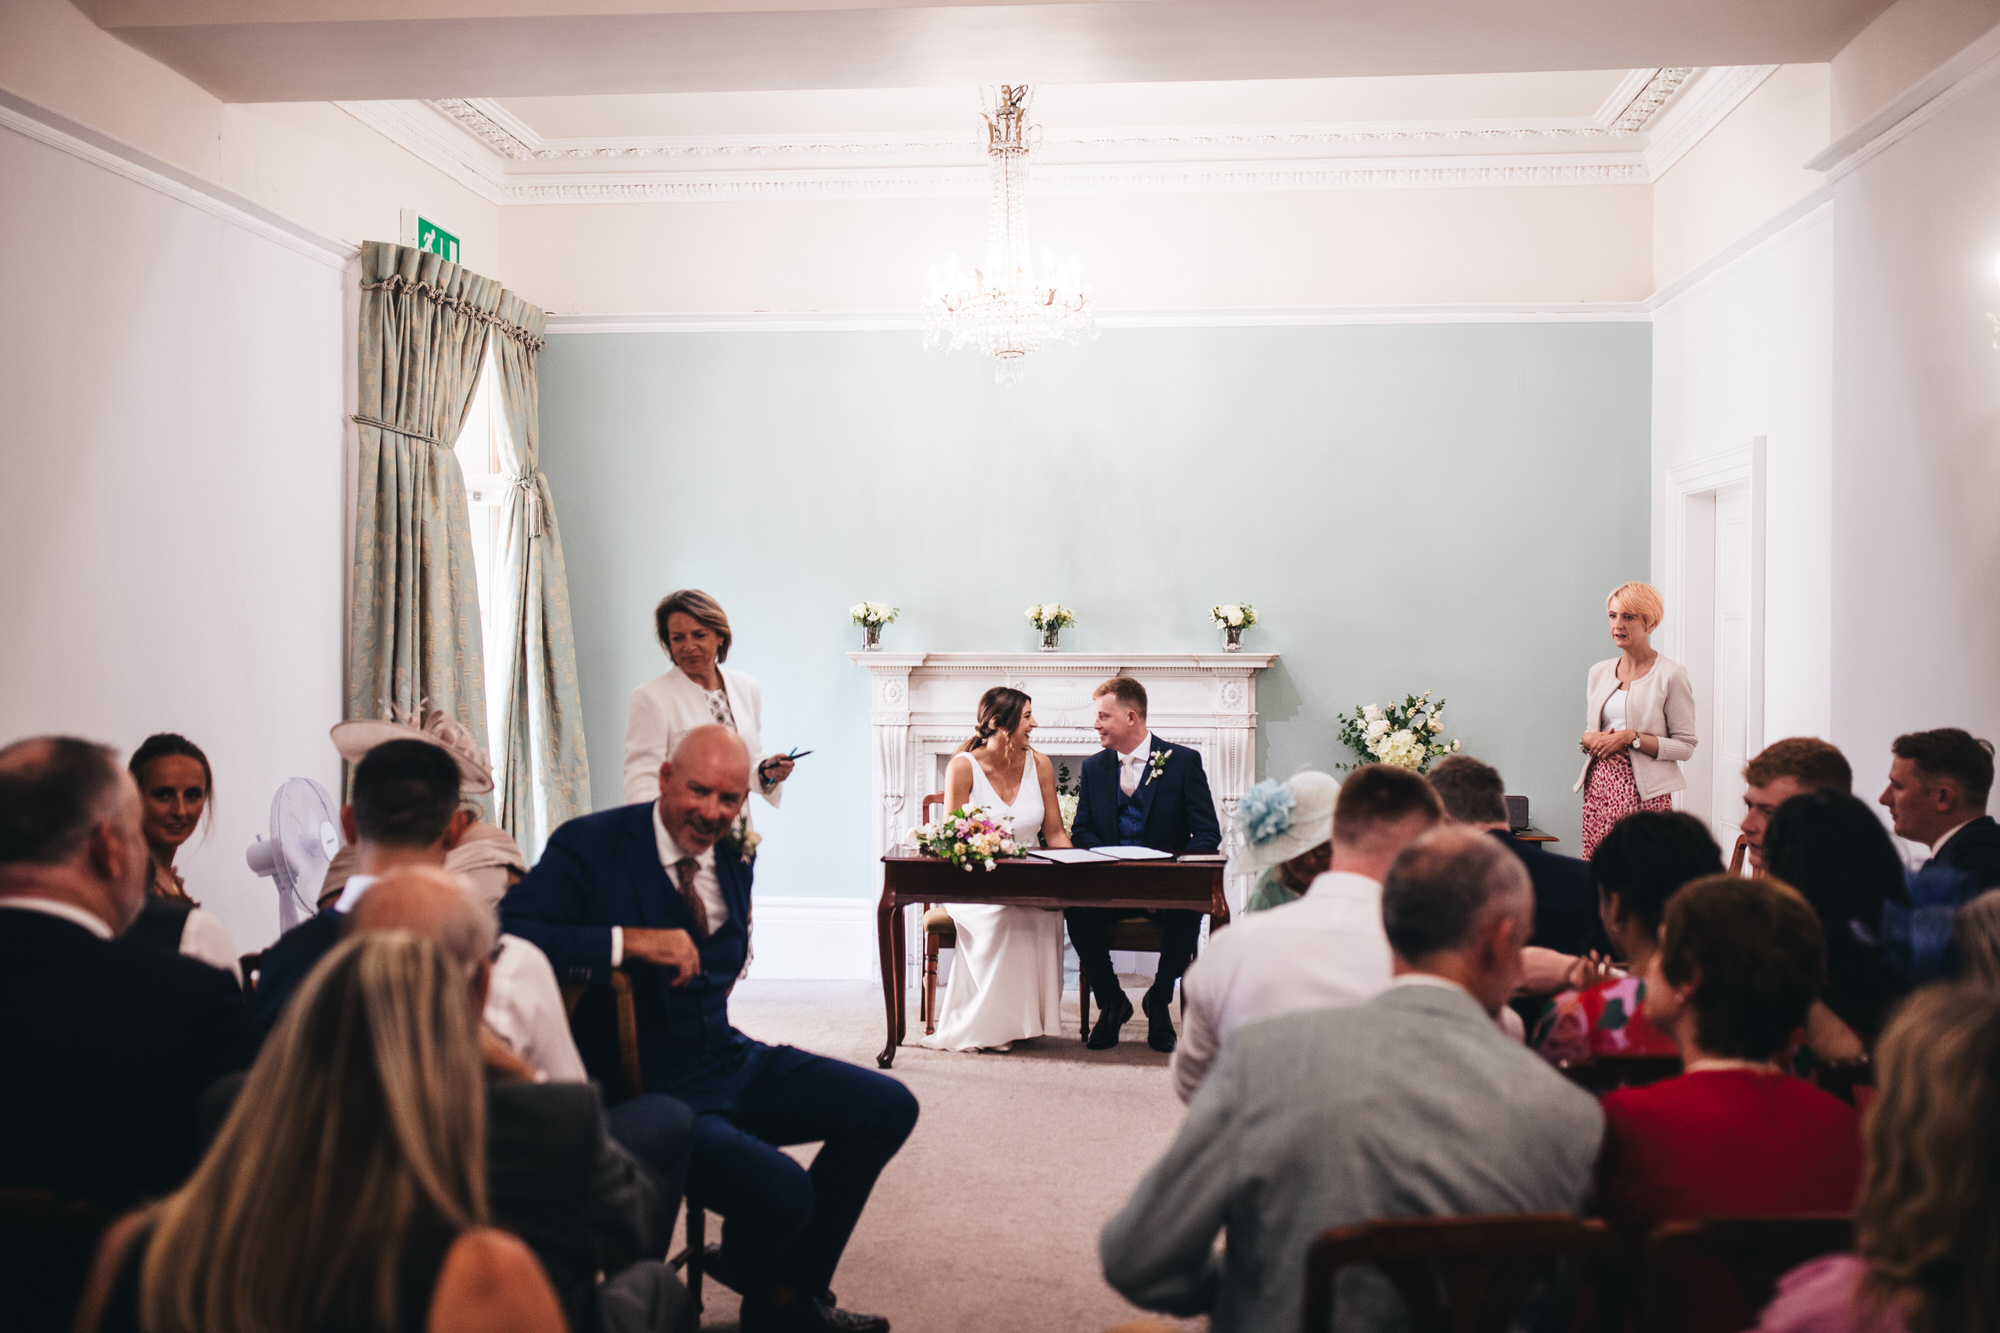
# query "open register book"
(1082, 855)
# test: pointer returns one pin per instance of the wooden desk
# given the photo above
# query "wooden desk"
(1535, 835)
(912, 877)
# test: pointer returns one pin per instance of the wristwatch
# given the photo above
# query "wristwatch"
(1635, 742)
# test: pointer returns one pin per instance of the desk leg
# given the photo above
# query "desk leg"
(1218, 908)
(887, 916)
(901, 920)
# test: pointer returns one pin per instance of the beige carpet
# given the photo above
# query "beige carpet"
(988, 1218)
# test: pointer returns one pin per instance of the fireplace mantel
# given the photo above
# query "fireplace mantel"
(923, 705)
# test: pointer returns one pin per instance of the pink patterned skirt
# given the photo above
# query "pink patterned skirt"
(1609, 794)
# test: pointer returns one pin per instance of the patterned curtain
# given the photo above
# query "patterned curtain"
(540, 769)
(416, 635)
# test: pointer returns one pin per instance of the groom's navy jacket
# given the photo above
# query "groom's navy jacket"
(603, 870)
(1178, 812)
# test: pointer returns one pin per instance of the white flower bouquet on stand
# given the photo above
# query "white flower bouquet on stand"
(1051, 619)
(872, 616)
(1408, 734)
(968, 837)
(1232, 618)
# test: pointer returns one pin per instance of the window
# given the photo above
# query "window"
(486, 486)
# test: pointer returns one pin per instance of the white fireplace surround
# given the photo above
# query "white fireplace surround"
(922, 707)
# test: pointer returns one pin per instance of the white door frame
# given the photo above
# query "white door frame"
(1689, 578)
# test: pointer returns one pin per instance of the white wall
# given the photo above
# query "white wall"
(172, 524)
(1916, 436)
(1746, 352)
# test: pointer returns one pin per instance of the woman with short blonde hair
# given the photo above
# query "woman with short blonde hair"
(347, 1189)
(1638, 719)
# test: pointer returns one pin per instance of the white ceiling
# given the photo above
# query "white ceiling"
(346, 50)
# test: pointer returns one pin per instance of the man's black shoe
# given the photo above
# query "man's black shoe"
(804, 1315)
(1159, 1027)
(1104, 1033)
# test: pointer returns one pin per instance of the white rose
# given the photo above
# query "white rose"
(858, 609)
(1235, 614)
(1437, 722)
(1373, 712)
(1379, 727)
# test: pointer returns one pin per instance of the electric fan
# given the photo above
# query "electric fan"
(305, 833)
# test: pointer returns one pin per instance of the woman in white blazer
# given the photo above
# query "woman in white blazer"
(1638, 719)
(697, 692)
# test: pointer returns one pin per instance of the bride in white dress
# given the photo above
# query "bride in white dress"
(1006, 971)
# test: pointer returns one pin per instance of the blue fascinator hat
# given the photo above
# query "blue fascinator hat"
(1276, 821)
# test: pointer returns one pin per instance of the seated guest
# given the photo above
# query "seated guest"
(483, 855)
(1927, 1233)
(1412, 1104)
(405, 813)
(1137, 791)
(654, 889)
(1288, 838)
(1784, 769)
(1831, 848)
(554, 1176)
(175, 786)
(1565, 913)
(345, 1190)
(1739, 962)
(1938, 784)
(1638, 866)
(106, 1046)
(1328, 948)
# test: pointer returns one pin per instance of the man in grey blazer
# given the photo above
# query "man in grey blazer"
(1413, 1104)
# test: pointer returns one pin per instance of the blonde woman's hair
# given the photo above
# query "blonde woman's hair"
(1642, 600)
(364, 1117)
(1975, 936)
(1928, 1224)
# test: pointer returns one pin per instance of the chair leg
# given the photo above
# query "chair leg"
(697, 1241)
(930, 982)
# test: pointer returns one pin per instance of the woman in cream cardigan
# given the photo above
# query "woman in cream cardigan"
(695, 632)
(1638, 719)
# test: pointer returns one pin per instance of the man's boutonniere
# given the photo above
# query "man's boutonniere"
(742, 838)
(1156, 765)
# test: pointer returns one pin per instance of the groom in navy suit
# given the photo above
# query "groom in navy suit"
(659, 890)
(1137, 791)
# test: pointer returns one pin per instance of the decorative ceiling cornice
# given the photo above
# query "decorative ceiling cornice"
(1648, 123)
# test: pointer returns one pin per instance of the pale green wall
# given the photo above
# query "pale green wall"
(1408, 507)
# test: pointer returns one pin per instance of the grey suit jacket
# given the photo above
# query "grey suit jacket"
(1413, 1104)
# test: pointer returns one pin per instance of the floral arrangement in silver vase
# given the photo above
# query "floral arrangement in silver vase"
(1405, 734)
(1232, 618)
(1051, 619)
(872, 616)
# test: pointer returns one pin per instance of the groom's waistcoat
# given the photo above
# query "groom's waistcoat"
(1131, 817)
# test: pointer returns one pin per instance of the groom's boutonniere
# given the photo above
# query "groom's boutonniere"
(743, 839)
(1156, 765)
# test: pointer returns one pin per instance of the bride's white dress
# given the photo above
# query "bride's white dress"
(1006, 971)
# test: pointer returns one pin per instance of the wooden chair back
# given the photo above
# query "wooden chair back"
(628, 1026)
(1607, 1073)
(1754, 1252)
(1456, 1274)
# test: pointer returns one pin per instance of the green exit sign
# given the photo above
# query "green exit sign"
(435, 240)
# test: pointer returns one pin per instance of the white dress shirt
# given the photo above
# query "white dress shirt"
(56, 907)
(524, 1005)
(1132, 764)
(1324, 951)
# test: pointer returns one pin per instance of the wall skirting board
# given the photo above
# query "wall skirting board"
(817, 939)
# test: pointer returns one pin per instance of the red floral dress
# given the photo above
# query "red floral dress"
(1608, 1019)
(1609, 794)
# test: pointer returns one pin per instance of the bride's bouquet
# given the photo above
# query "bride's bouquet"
(967, 837)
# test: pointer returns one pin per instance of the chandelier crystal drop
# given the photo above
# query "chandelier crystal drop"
(1008, 309)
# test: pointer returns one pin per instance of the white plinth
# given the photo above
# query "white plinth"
(923, 706)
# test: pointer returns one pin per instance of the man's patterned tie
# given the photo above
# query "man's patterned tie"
(684, 871)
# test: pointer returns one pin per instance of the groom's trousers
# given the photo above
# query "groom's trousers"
(1090, 934)
(782, 1222)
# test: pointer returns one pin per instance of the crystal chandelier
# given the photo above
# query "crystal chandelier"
(1006, 309)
